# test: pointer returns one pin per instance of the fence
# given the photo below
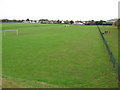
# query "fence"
(112, 58)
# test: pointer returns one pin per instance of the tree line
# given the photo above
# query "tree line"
(46, 21)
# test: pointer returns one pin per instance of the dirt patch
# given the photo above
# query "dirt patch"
(8, 84)
(43, 83)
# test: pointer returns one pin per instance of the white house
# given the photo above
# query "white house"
(78, 23)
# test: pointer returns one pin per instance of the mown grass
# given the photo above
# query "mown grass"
(112, 39)
(61, 56)
(0, 56)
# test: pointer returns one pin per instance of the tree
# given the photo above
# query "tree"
(59, 22)
(118, 23)
(101, 22)
(28, 19)
(71, 22)
(5, 20)
(66, 22)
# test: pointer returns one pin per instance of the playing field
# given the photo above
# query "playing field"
(49, 55)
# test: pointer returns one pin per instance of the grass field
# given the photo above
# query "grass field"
(48, 55)
(112, 39)
(0, 56)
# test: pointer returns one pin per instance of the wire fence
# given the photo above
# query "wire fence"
(112, 58)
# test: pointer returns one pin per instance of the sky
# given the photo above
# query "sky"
(59, 9)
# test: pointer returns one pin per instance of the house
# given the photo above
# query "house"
(112, 20)
(26, 21)
(78, 23)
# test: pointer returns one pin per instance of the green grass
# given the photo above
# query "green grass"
(112, 39)
(0, 56)
(59, 56)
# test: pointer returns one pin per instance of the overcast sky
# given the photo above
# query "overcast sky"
(59, 9)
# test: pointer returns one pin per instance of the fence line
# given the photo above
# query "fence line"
(112, 58)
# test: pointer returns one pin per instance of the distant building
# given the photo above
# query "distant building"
(62, 22)
(78, 23)
(112, 20)
(26, 21)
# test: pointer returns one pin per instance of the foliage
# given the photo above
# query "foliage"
(71, 22)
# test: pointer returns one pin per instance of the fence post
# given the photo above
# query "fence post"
(119, 72)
